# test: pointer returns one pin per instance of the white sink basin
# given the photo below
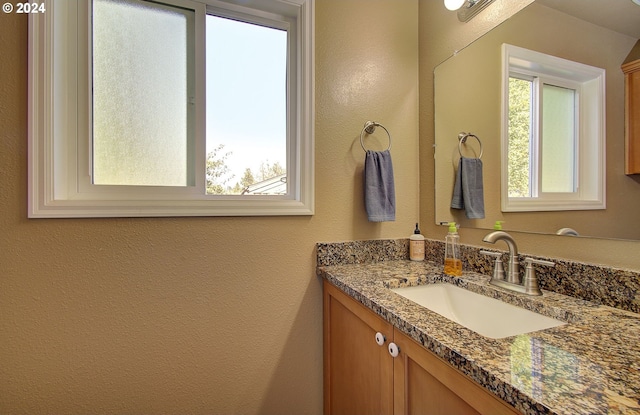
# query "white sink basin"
(484, 315)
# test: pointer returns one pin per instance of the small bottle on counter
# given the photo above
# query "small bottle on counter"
(452, 260)
(416, 245)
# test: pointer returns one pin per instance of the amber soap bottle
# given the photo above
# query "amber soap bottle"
(452, 260)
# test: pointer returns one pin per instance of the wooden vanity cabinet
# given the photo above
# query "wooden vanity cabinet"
(361, 377)
(425, 384)
(358, 373)
(632, 116)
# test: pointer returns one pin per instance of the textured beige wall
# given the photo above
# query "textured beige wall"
(440, 35)
(199, 315)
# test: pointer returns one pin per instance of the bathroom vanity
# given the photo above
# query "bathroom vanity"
(372, 367)
(386, 354)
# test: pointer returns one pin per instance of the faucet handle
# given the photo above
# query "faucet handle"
(498, 268)
(530, 279)
(539, 261)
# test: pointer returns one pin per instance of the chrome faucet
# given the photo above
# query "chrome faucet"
(513, 267)
(530, 284)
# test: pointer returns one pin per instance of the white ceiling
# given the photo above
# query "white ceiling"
(622, 16)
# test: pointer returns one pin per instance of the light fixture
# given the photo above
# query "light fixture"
(453, 4)
(469, 8)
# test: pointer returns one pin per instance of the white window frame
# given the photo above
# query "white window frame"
(589, 83)
(59, 120)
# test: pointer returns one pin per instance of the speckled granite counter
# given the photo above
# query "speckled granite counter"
(589, 366)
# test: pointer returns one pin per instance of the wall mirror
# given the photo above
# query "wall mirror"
(468, 98)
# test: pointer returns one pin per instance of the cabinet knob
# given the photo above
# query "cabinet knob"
(380, 338)
(394, 350)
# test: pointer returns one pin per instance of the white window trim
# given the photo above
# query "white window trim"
(591, 146)
(52, 157)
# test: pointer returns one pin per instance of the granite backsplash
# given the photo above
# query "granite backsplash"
(613, 287)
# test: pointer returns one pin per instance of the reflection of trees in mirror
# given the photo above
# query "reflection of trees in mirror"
(519, 137)
(219, 176)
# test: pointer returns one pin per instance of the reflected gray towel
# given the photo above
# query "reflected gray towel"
(468, 190)
(379, 189)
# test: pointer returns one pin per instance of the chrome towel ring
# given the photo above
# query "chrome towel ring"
(369, 128)
(462, 139)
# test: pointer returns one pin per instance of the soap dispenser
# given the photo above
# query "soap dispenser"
(416, 245)
(452, 260)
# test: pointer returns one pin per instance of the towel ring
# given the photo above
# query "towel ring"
(462, 138)
(369, 128)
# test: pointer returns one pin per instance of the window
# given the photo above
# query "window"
(546, 162)
(553, 133)
(171, 108)
(143, 77)
(245, 101)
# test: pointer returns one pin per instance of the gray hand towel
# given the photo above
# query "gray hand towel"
(468, 190)
(379, 188)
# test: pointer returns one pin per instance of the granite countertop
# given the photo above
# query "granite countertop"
(589, 366)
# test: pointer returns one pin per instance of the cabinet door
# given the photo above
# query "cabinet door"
(632, 116)
(425, 384)
(358, 373)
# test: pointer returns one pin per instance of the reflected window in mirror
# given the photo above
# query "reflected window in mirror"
(553, 133)
(538, 167)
